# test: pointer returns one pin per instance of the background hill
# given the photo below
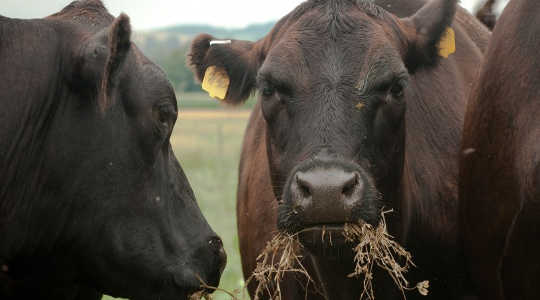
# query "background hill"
(169, 46)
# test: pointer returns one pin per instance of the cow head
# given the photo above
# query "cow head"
(107, 203)
(333, 79)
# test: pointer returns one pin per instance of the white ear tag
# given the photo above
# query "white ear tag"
(216, 42)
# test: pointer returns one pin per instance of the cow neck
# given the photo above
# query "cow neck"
(332, 278)
(334, 273)
(22, 177)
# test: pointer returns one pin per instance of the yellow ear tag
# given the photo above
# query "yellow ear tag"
(216, 82)
(360, 105)
(447, 45)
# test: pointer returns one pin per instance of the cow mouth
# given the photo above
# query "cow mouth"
(326, 240)
(193, 288)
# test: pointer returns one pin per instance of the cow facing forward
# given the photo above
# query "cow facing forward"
(360, 108)
(92, 198)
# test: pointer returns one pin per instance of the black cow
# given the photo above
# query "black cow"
(92, 198)
(359, 109)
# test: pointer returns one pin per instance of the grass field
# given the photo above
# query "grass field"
(198, 100)
(207, 143)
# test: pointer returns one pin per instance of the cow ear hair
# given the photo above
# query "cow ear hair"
(234, 61)
(102, 56)
(425, 30)
(119, 45)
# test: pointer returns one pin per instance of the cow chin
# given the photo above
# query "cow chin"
(178, 281)
(320, 197)
(157, 263)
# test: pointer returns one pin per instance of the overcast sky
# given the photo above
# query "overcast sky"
(147, 14)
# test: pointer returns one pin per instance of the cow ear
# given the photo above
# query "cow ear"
(429, 34)
(102, 56)
(119, 44)
(227, 69)
(486, 15)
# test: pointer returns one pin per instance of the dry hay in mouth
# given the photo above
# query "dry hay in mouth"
(280, 256)
(374, 247)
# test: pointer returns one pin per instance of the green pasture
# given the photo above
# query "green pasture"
(207, 141)
(201, 100)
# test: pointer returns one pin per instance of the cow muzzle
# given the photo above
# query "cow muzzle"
(207, 265)
(325, 195)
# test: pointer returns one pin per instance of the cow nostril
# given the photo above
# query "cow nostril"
(350, 185)
(303, 186)
(215, 244)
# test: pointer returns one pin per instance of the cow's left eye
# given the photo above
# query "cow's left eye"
(268, 91)
(397, 89)
(165, 114)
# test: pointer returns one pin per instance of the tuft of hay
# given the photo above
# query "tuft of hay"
(280, 256)
(374, 246)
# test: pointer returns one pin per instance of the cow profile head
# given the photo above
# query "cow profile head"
(104, 202)
(333, 80)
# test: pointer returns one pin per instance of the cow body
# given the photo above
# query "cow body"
(92, 198)
(322, 149)
(499, 166)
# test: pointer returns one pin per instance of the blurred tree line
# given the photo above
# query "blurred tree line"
(180, 75)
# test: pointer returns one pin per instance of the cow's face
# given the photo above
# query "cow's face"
(332, 95)
(333, 82)
(129, 217)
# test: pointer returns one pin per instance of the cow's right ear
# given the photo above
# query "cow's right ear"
(227, 69)
(429, 34)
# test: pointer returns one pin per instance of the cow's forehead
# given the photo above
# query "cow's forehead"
(307, 52)
(329, 28)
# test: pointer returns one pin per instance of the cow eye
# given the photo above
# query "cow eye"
(397, 90)
(166, 114)
(268, 91)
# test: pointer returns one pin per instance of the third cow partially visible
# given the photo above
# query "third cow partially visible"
(500, 166)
